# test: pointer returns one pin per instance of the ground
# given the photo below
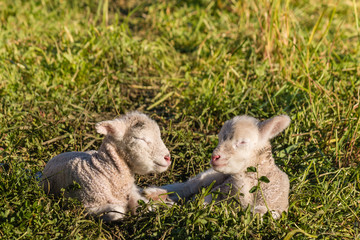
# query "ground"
(190, 65)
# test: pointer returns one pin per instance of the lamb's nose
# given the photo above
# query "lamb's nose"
(167, 158)
(214, 158)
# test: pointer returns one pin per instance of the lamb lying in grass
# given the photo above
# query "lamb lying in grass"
(244, 142)
(105, 178)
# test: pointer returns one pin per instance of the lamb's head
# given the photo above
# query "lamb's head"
(138, 141)
(241, 139)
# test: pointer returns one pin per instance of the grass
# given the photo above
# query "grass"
(190, 65)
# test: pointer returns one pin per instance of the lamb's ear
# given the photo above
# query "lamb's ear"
(115, 128)
(273, 126)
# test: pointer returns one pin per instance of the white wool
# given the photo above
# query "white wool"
(132, 144)
(243, 142)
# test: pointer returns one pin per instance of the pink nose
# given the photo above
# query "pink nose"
(214, 158)
(167, 158)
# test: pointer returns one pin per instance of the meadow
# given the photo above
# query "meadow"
(190, 65)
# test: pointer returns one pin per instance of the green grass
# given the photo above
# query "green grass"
(190, 65)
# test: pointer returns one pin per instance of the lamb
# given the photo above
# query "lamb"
(132, 144)
(244, 142)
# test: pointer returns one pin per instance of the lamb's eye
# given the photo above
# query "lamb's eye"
(242, 142)
(142, 139)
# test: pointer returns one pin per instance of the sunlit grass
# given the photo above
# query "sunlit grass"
(190, 65)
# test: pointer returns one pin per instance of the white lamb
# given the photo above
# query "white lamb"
(105, 178)
(243, 142)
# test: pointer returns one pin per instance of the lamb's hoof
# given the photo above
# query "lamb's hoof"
(275, 214)
(262, 210)
(112, 217)
(157, 194)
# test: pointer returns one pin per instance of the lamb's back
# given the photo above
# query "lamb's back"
(62, 170)
(87, 177)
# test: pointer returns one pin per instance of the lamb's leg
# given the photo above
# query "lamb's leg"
(277, 194)
(134, 197)
(111, 212)
(190, 187)
(224, 190)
